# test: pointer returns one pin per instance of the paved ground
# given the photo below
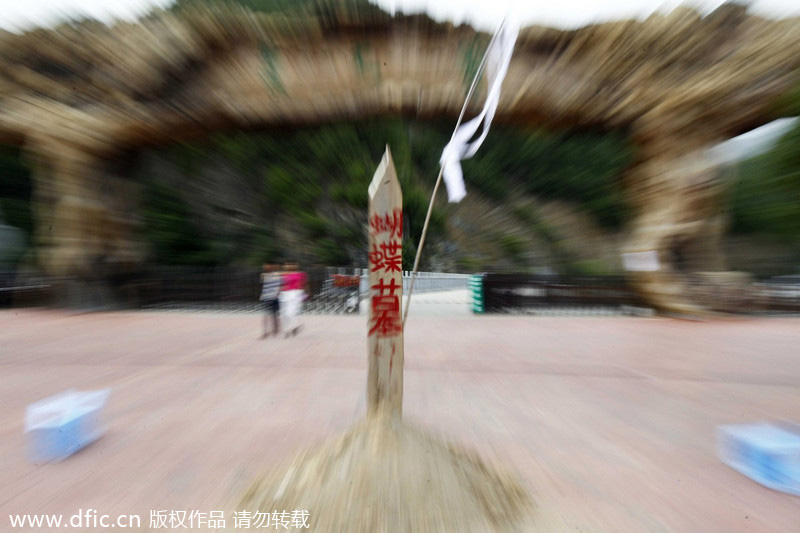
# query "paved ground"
(609, 421)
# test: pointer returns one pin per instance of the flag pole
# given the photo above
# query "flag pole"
(481, 68)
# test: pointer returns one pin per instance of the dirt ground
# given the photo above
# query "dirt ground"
(609, 421)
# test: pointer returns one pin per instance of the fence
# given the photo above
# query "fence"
(193, 287)
(514, 293)
(332, 289)
(341, 290)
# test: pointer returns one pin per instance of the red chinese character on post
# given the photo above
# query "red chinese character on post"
(386, 319)
(375, 259)
(392, 256)
(391, 223)
(388, 259)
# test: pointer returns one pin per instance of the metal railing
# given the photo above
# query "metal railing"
(331, 289)
(343, 290)
(519, 293)
(515, 293)
(426, 281)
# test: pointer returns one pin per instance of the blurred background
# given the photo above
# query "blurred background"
(645, 159)
(216, 204)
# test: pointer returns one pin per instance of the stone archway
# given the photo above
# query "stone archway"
(679, 83)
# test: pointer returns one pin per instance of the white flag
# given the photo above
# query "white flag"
(497, 59)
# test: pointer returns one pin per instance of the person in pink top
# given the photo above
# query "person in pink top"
(293, 293)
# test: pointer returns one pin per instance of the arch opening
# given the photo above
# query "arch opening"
(537, 201)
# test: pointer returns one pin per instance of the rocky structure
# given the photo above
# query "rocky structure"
(82, 96)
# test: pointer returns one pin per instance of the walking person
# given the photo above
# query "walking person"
(293, 293)
(271, 282)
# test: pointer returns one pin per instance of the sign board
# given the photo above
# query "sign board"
(641, 261)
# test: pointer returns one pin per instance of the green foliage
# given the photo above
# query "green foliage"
(295, 190)
(237, 148)
(318, 178)
(186, 156)
(512, 245)
(409, 254)
(316, 226)
(353, 194)
(590, 267)
(766, 195)
(170, 230)
(330, 252)
(582, 168)
(312, 174)
(789, 104)
(17, 213)
(16, 190)
(534, 222)
(469, 263)
(266, 249)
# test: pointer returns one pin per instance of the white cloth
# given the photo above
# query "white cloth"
(291, 304)
(497, 59)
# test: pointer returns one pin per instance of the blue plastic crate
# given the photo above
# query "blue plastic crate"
(768, 453)
(60, 425)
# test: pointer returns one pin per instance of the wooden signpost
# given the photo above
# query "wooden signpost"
(385, 328)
